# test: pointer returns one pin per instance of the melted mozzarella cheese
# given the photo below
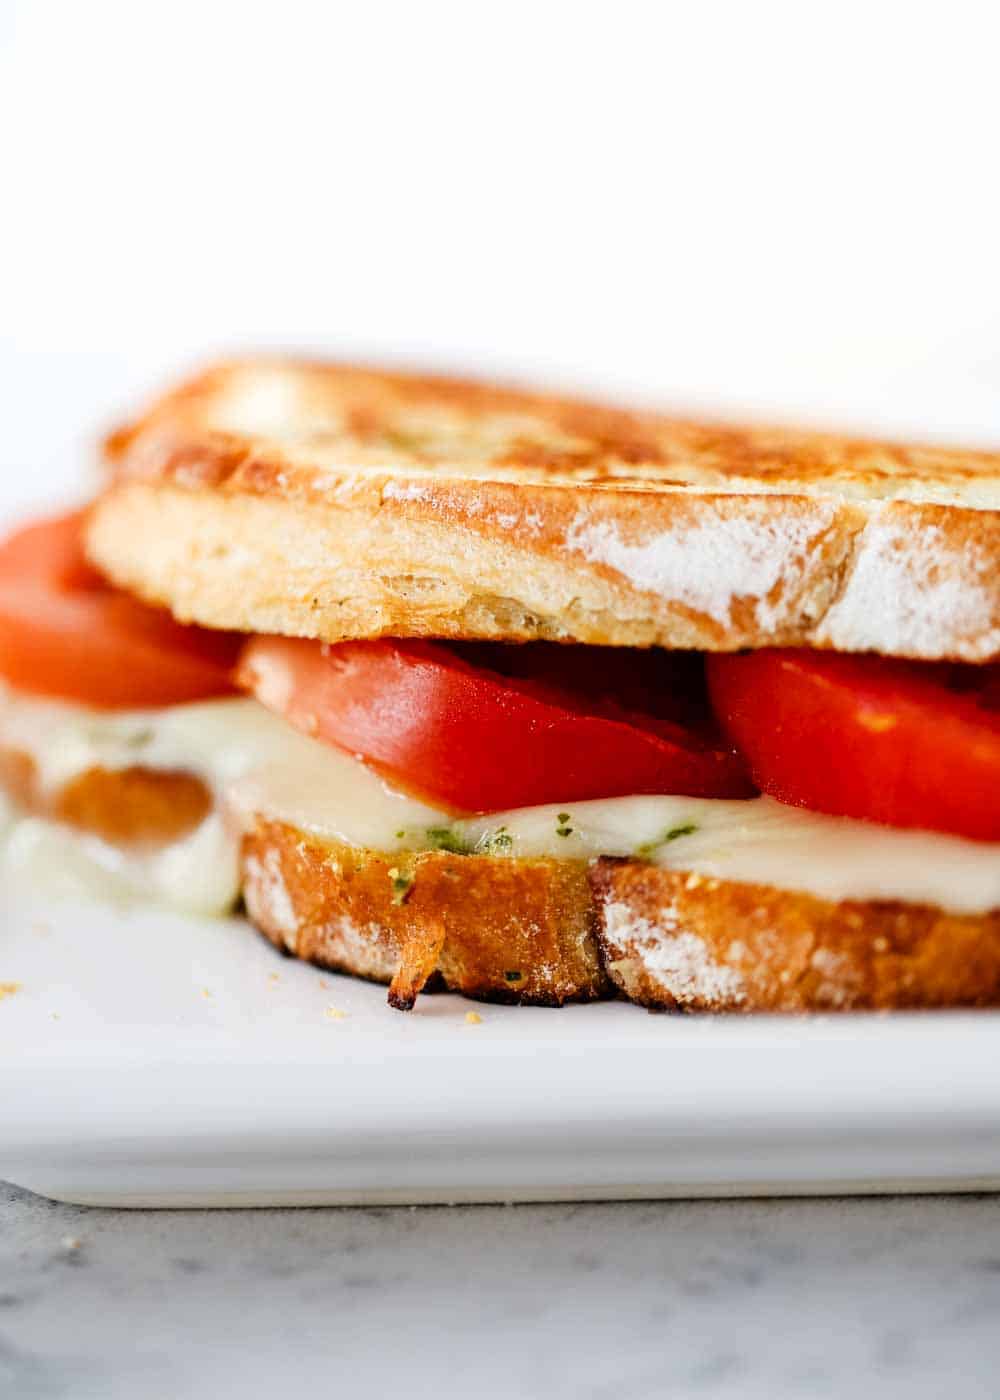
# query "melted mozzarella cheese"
(199, 874)
(257, 765)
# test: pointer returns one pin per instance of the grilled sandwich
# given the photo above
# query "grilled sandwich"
(529, 698)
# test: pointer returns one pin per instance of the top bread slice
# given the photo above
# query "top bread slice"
(325, 501)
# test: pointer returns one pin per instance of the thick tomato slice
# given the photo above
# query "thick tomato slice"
(65, 632)
(480, 741)
(911, 744)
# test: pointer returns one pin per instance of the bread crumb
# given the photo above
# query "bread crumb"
(55, 1015)
(71, 1243)
(206, 993)
(7, 989)
(274, 976)
(473, 1018)
(335, 1014)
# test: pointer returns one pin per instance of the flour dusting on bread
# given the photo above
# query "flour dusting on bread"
(918, 603)
(678, 962)
(335, 502)
(709, 563)
(267, 896)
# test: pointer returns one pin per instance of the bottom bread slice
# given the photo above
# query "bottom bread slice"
(545, 931)
(549, 931)
(674, 940)
(488, 926)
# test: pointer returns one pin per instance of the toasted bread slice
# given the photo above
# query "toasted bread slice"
(328, 502)
(505, 930)
(546, 931)
(133, 806)
(679, 941)
(549, 931)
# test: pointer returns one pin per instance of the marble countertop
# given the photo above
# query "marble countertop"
(894, 1297)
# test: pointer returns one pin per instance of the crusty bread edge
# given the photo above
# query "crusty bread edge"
(549, 931)
(675, 940)
(494, 560)
(512, 930)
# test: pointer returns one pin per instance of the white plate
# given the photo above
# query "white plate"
(148, 1059)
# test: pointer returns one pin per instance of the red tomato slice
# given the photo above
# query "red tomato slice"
(475, 739)
(906, 743)
(65, 632)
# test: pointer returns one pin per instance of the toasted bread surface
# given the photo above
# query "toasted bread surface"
(134, 806)
(513, 930)
(550, 931)
(680, 941)
(329, 502)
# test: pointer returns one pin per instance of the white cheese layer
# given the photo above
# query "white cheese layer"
(256, 764)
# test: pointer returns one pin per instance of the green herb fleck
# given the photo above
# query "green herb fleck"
(562, 818)
(649, 848)
(400, 834)
(562, 826)
(446, 838)
(513, 977)
(401, 885)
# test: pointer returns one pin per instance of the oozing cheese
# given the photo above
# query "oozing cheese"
(256, 764)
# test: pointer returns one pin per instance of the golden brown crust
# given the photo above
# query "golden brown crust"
(664, 938)
(329, 502)
(547, 931)
(514, 930)
(277, 426)
(677, 941)
(133, 806)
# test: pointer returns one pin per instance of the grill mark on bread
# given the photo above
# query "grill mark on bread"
(294, 498)
(422, 419)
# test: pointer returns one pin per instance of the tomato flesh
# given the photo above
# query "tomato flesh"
(477, 740)
(910, 744)
(67, 634)
(483, 727)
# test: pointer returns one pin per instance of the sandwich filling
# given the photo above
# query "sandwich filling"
(256, 766)
(128, 756)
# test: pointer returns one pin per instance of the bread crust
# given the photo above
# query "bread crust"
(328, 502)
(545, 932)
(678, 941)
(134, 806)
(514, 930)
(664, 938)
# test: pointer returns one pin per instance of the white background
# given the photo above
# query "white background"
(787, 208)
